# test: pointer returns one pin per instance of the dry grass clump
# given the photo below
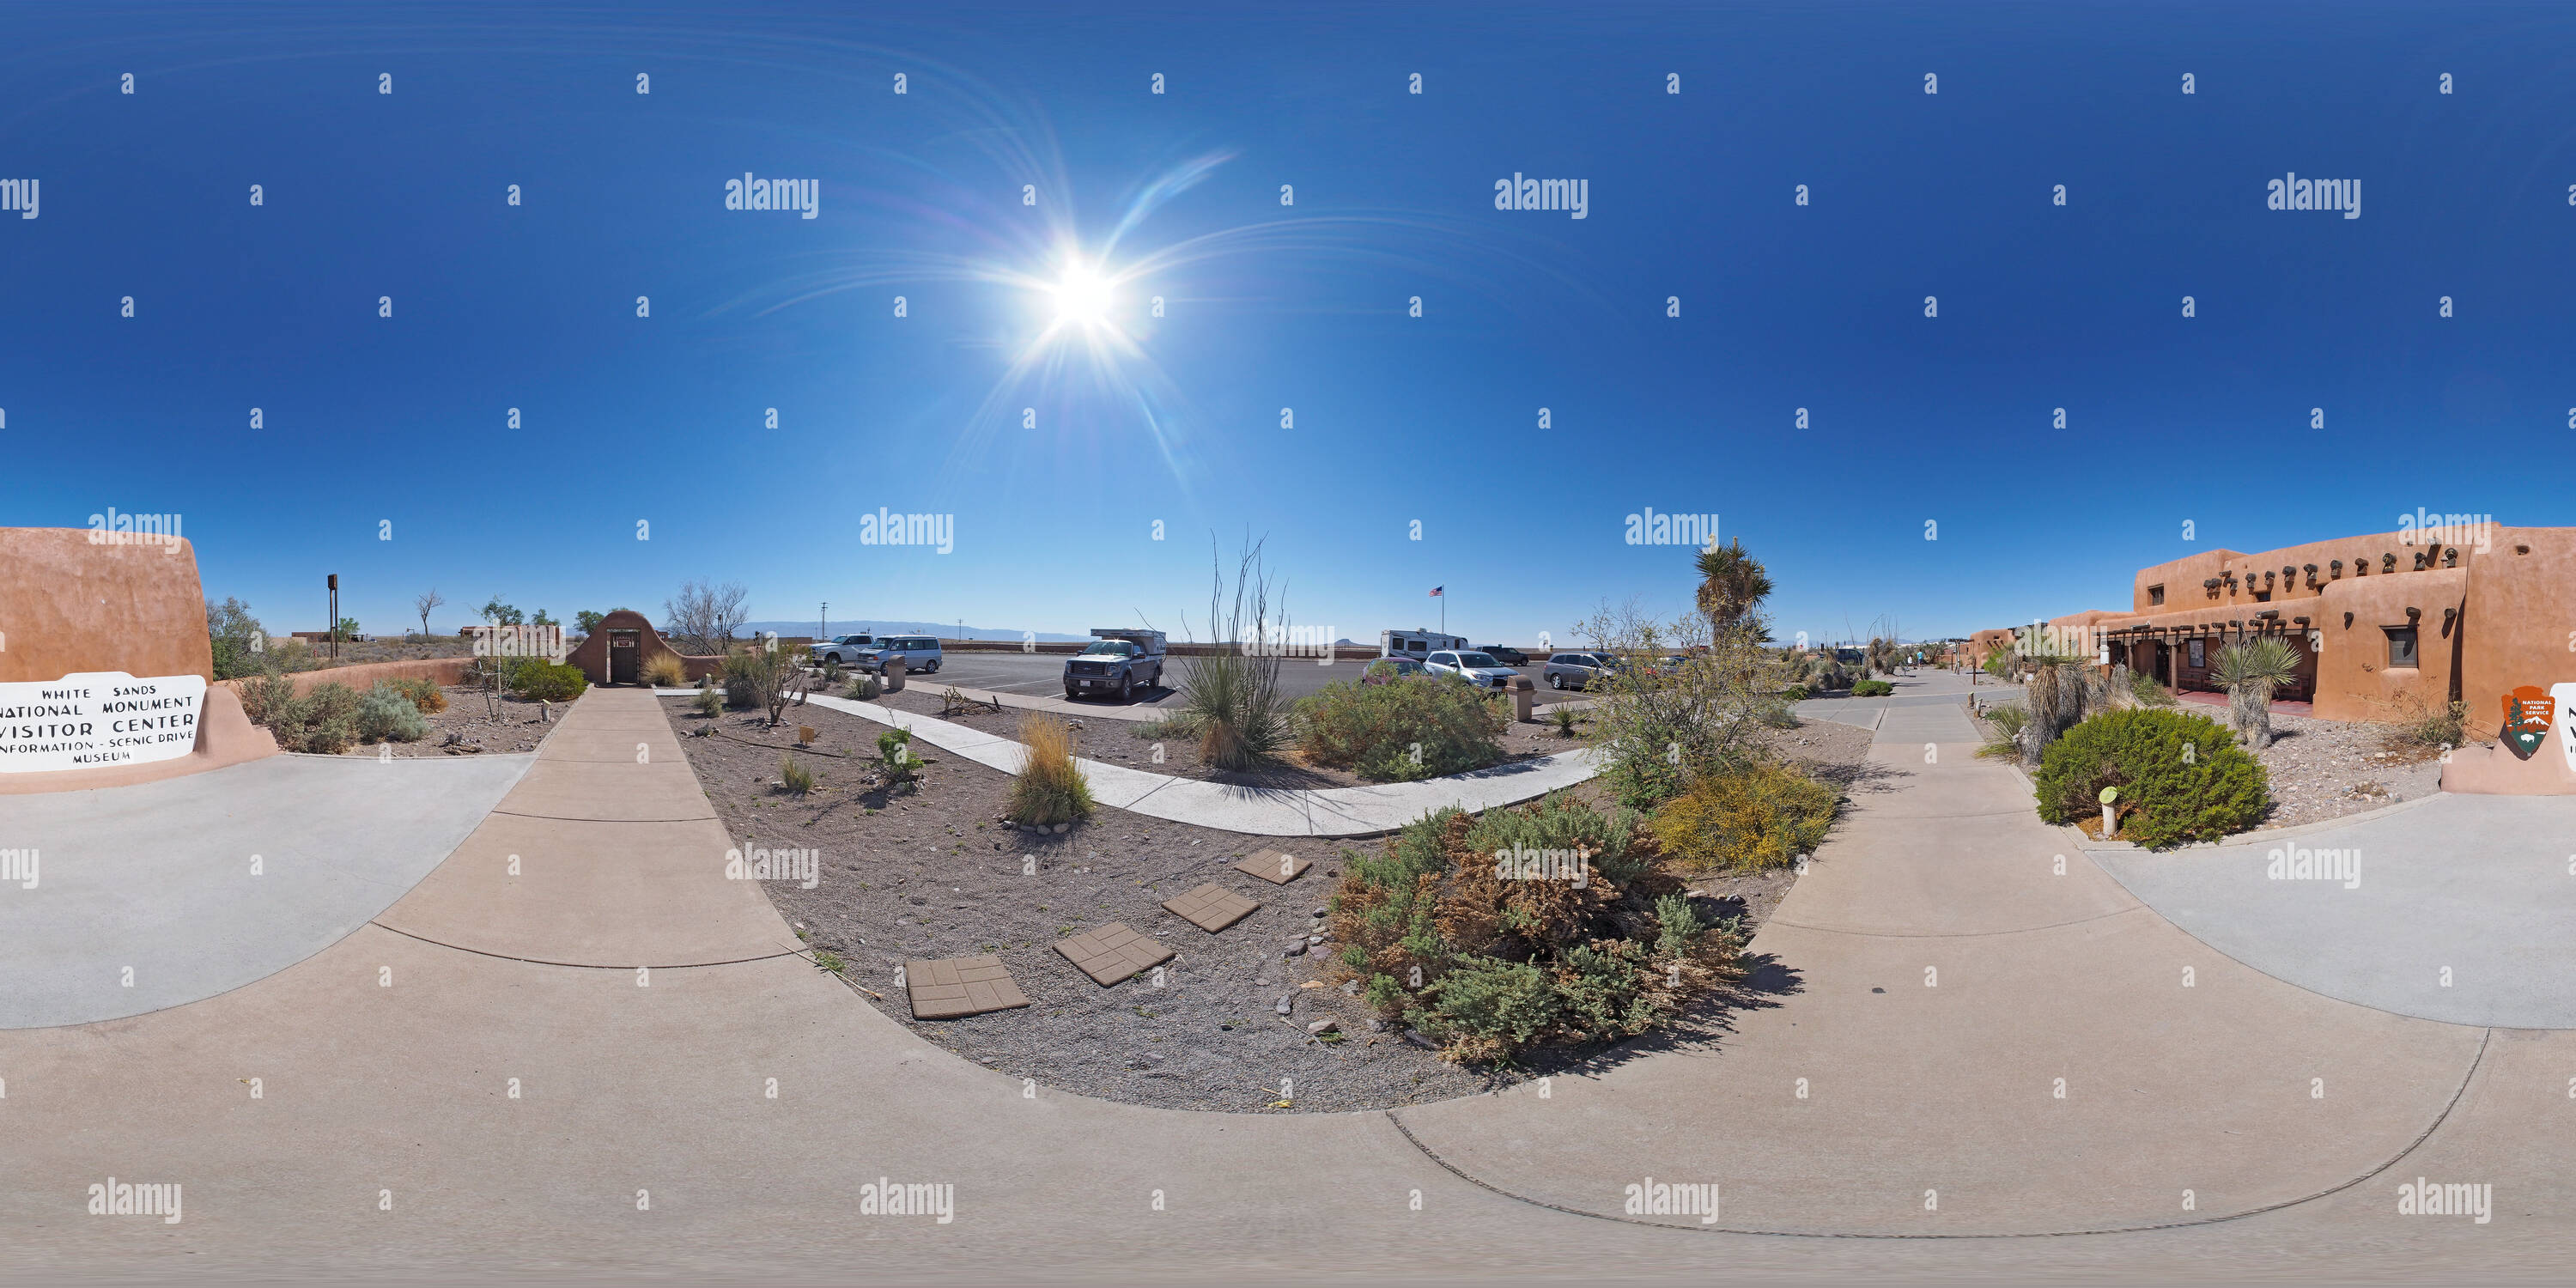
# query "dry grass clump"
(1050, 788)
(666, 671)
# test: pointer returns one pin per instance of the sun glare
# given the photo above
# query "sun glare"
(1081, 295)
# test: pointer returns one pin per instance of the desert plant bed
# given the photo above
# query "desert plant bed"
(471, 726)
(931, 872)
(1130, 744)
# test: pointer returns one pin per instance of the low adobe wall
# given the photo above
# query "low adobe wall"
(362, 677)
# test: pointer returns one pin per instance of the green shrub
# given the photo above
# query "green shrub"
(741, 676)
(1795, 693)
(792, 777)
(2181, 777)
(1871, 688)
(895, 759)
(320, 722)
(535, 679)
(386, 715)
(865, 688)
(1759, 815)
(1490, 962)
(269, 699)
(1374, 729)
(709, 702)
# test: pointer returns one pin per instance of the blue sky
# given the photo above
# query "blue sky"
(1946, 420)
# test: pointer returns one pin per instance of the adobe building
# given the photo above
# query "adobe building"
(2386, 627)
(623, 644)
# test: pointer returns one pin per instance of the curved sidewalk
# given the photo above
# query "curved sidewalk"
(2453, 908)
(1255, 811)
(146, 896)
(450, 1109)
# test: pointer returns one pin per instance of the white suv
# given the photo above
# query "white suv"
(1479, 669)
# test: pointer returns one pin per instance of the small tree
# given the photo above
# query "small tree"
(500, 614)
(236, 638)
(705, 616)
(424, 602)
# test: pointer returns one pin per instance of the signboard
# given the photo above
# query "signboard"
(98, 718)
(2528, 715)
(2565, 694)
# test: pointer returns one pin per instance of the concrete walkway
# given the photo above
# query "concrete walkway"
(461, 1109)
(145, 896)
(1254, 811)
(2455, 908)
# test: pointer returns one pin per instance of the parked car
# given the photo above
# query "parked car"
(1479, 669)
(920, 654)
(1119, 662)
(1506, 655)
(1577, 670)
(846, 649)
(1382, 669)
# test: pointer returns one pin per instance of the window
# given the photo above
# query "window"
(2198, 661)
(2155, 595)
(2401, 646)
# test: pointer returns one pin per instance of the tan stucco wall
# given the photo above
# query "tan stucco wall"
(67, 606)
(2522, 628)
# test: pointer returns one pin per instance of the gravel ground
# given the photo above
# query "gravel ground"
(2322, 769)
(474, 721)
(1210, 1038)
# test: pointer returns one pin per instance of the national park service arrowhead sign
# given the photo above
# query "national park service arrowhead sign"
(2528, 716)
(98, 718)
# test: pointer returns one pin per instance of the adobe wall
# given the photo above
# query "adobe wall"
(2522, 609)
(591, 655)
(68, 606)
(362, 677)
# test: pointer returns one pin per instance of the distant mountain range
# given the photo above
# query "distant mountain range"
(944, 630)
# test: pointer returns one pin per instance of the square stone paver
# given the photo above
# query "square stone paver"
(945, 990)
(1210, 908)
(1277, 867)
(1113, 953)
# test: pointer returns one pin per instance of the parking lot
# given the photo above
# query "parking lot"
(1042, 673)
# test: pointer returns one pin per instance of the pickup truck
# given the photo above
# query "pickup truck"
(1506, 655)
(846, 650)
(1119, 662)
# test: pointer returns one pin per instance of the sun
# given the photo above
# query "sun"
(1081, 295)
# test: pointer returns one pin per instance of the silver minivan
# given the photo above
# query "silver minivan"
(920, 654)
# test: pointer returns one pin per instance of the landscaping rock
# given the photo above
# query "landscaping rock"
(1324, 1026)
(1285, 1004)
(1296, 947)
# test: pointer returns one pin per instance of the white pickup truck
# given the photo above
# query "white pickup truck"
(846, 650)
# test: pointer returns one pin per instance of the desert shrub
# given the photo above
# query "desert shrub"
(1871, 688)
(865, 688)
(1795, 693)
(1759, 815)
(666, 671)
(1658, 728)
(794, 778)
(385, 714)
(709, 702)
(740, 679)
(895, 759)
(425, 695)
(2007, 721)
(2425, 730)
(1375, 729)
(267, 699)
(1232, 695)
(2144, 688)
(1566, 715)
(535, 679)
(1050, 788)
(2181, 777)
(236, 638)
(324, 721)
(1489, 961)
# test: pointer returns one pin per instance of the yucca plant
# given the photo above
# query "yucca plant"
(1231, 696)
(2250, 670)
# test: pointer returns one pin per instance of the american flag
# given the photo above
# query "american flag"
(1435, 591)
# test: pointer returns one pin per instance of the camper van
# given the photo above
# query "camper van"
(1417, 644)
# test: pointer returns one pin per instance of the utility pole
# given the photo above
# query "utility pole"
(335, 614)
(823, 628)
